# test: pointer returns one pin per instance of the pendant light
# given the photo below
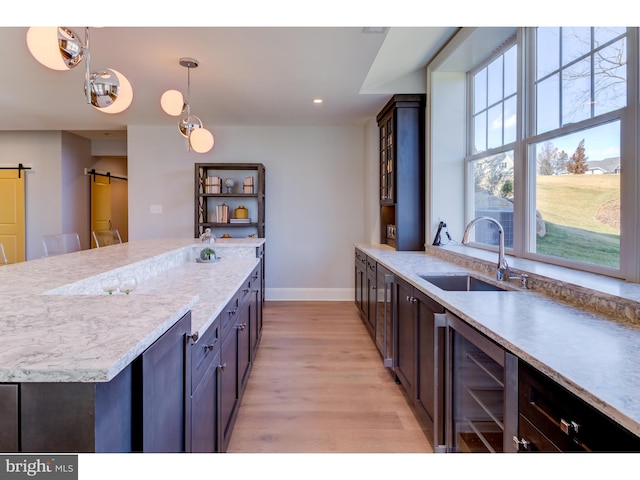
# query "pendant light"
(190, 126)
(60, 48)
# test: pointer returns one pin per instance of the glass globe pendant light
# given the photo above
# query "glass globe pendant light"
(60, 48)
(190, 126)
(57, 48)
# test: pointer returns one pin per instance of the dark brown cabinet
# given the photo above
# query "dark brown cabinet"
(405, 327)
(160, 414)
(553, 419)
(360, 269)
(402, 184)
(205, 358)
(430, 357)
(471, 394)
(372, 300)
(255, 311)
(228, 383)
(237, 350)
(209, 196)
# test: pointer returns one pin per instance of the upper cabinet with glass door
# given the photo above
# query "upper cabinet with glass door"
(402, 127)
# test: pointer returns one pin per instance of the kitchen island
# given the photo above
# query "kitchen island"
(63, 337)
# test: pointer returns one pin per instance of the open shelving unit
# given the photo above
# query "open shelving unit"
(206, 203)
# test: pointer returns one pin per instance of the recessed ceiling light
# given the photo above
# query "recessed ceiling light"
(374, 30)
(317, 100)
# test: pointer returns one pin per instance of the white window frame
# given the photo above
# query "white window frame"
(525, 170)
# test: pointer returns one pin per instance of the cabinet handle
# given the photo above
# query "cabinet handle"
(246, 290)
(208, 348)
(521, 444)
(241, 326)
(193, 338)
(569, 427)
(231, 312)
(223, 366)
(411, 299)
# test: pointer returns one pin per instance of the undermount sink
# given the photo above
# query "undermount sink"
(461, 283)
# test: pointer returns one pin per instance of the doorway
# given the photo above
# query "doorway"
(12, 213)
(109, 204)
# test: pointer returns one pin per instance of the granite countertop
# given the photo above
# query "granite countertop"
(58, 325)
(593, 355)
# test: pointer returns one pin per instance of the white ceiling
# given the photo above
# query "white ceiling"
(246, 75)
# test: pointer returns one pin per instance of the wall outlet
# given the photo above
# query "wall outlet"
(155, 209)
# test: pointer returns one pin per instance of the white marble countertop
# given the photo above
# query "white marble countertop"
(591, 355)
(58, 325)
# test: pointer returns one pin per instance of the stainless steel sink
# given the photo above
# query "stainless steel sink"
(461, 283)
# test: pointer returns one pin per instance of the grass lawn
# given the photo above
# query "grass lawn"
(577, 226)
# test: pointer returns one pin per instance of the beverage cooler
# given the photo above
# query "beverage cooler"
(481, 392)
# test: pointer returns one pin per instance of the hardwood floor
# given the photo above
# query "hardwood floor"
(318, 386)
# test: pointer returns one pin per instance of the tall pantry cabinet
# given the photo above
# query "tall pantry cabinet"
(402, 171)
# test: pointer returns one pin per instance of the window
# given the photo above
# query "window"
(494, 103)
(563, 146)
(491, 164)
(580, 73)
(580, 90)
(577, 187)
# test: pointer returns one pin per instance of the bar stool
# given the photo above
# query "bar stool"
(60, 243)
(104, 238)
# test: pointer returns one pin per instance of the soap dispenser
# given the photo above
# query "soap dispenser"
(207, 236)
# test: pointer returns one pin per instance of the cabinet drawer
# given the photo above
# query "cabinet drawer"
(537, 441)
(203, 352)
(568, 421)
(361, 259)
(371, 266)
(227, 316)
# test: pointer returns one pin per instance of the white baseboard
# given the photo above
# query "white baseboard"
(315, 294)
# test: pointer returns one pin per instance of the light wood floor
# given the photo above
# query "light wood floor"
(318, 386)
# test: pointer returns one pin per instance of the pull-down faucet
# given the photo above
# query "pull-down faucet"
(502, 272)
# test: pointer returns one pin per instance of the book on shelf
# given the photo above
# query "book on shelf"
(240, 220)
(247, 185)
(212, 185)
(222, 213)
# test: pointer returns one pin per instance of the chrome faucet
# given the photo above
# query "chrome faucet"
(502, 271)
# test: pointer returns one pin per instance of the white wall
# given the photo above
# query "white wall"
(447, 192)
(315, 197)
(76, 190)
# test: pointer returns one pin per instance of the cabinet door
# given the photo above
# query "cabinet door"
(228, 387)
(204, 411)
(360, 288)
(387, 160)
(244, 347)
(429, 363)
(9, 418)
(164, 384)
(255, 314)
(384, 314)
(405, 336)
(372, 296)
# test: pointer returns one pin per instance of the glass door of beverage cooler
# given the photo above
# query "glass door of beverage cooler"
(481, 392)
